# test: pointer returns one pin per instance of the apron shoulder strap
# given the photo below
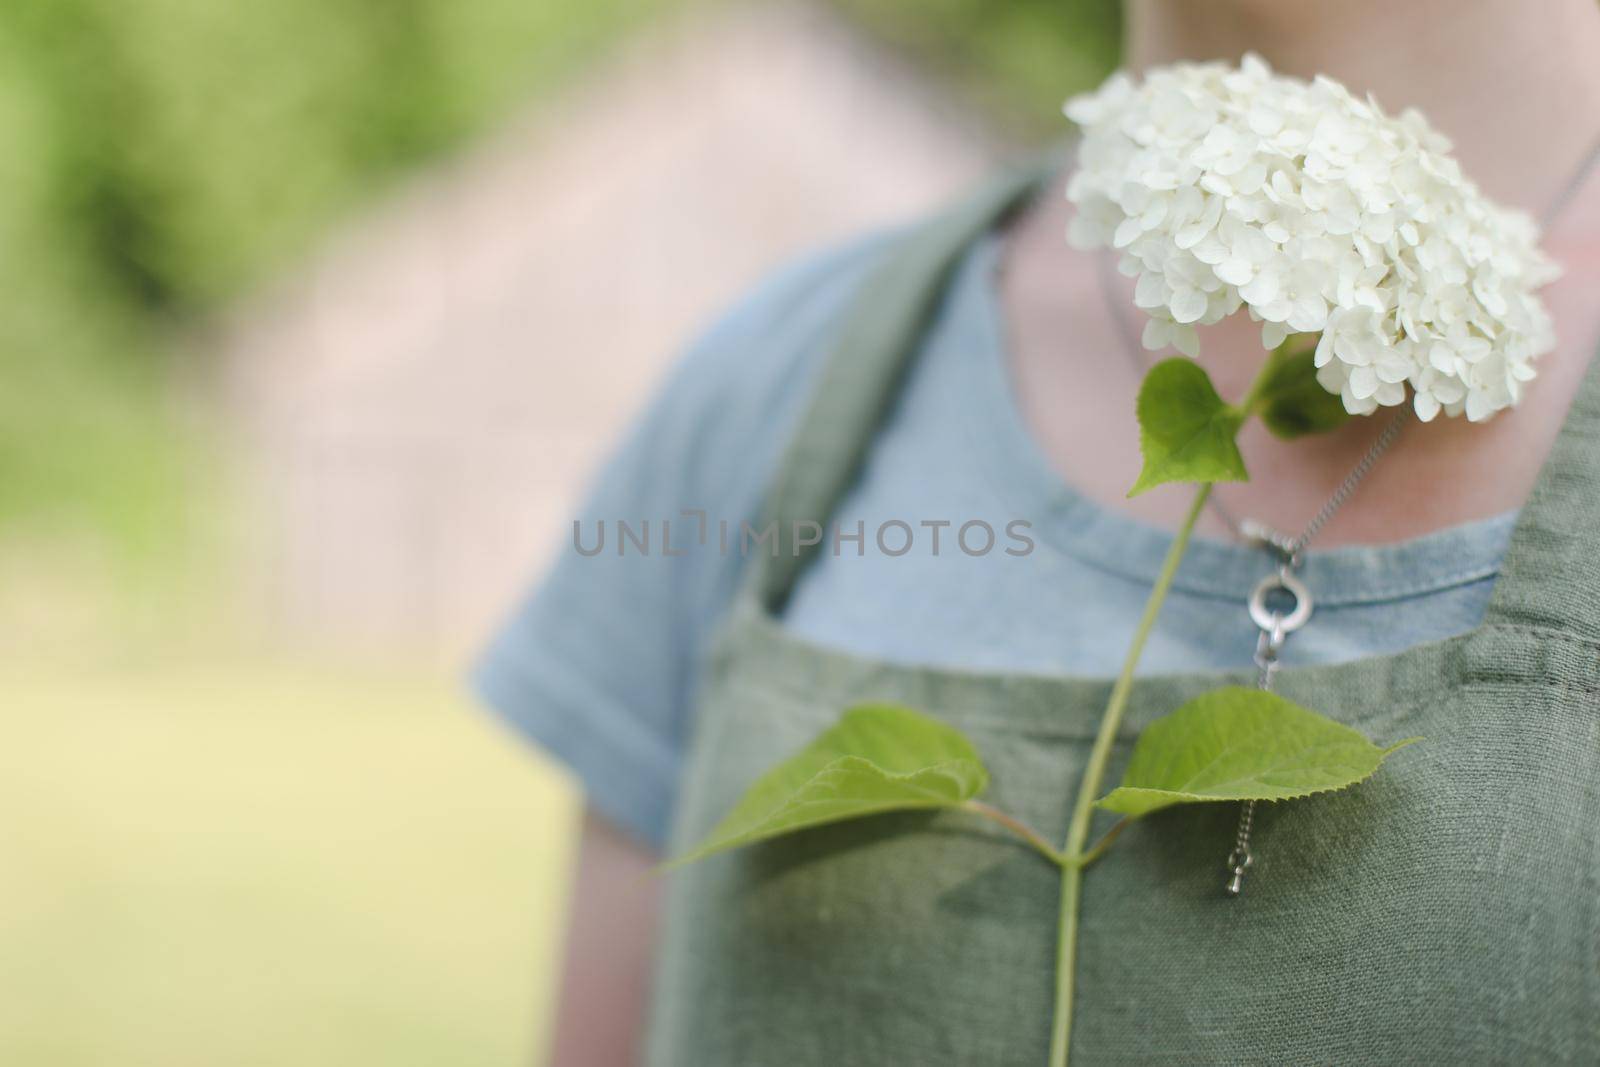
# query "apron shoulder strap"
(1551, 576)
(859, 382)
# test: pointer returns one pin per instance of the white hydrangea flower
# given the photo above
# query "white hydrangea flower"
(1224, 187)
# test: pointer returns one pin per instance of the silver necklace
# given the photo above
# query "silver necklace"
(1281, 603)
(1276, 623)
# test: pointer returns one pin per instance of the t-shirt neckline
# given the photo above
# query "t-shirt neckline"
(1067, 521)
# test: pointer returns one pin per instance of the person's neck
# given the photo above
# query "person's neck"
(1517, 90)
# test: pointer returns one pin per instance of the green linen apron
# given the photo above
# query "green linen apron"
(1446, 911)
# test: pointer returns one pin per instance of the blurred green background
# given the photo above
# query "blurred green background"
(163, 900)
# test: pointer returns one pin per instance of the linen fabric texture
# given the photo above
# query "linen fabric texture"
(1445, 911)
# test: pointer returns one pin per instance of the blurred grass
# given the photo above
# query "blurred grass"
(241, 865)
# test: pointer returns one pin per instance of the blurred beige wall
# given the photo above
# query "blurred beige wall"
(422, 404)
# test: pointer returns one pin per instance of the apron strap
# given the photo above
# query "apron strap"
(1551, 576)
(863, 374)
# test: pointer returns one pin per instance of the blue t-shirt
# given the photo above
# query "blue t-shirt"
(959, 546)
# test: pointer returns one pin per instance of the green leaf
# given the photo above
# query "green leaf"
(876, 758)
(1290, 400)
(1241, 744)
(1186, 431)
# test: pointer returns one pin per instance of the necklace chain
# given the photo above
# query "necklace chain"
(1293, 551)
(1276, 624)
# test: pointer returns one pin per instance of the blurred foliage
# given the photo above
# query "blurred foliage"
(1018, 59)
(185, 147)
(159, 157)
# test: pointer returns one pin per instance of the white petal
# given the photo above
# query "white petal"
(1191, 235)
(1392, 368)
(1357, 406)
(1210, 251)
(1264, 120)
(1128, 231)
(1151, 291)
(1186, 340)
(1324, 353)
(1157, 334)
(1450, 391)
(1187, 305)
(1261, 290)
(1236, 271)
(1363, 382)
(1478, 406)
(1309, 313)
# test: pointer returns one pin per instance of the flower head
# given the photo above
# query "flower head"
(1225, 187)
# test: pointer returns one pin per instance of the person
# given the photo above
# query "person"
(1432, 914)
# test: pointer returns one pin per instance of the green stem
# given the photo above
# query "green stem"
(1018, 827)
(1252, 398)
(1093, 773)
(1104, 843)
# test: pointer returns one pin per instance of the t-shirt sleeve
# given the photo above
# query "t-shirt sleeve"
(600, 664)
